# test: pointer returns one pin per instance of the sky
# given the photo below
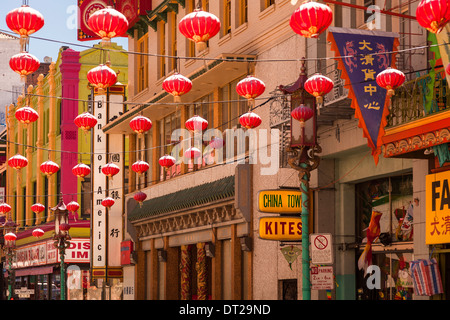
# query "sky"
(60, 25)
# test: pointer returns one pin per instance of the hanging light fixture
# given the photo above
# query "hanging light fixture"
(81, 170)
(318, 85)
(37, 233)
(140, 124)
(166, 161)
(140, 167)
(110, 169)
(250, 120)
(193, 153)
(24, 64)
(108, 202)
(4, 208)
(18, 162)
(73, 206)
(390, 79)
(108, 23)
(199, 26)
(24, 21)
(10, 236)
(433, 15)
(177, 85)
(140, 197)
(49, 168)
(302, 114)
(102, 77)
(250, 88)
(311, 19)
(26, 115)
(196, 124)
(85, 121)
(38, 208)
(216, 143)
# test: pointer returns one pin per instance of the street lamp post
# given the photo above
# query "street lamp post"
(9, 249)
(61, 239)
(302, 156)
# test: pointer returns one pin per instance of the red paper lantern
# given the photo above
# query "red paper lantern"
(26, 115)
(85, 121)
(177, 85)
(433, 15)
(102, 77)
(4, 208)
(64, 227)
(110, 169)
(108, 23)
(166, 161)
(199, 26)
(311, 19)
(318, 85)
(24, 64)
(140, 124)
(140, 166)
(49, 167)
(140, 197)
(196, 124)
(10, 236)
(18, 162)
(302, 113)
(250, 120)
(250, 87)
(73, 206)
(447, 69)
(81, 170)
(192, 153)
(216, 143)
(390, 79)
(37, 233)
(108, 202)
(38, 208)
(24, 21)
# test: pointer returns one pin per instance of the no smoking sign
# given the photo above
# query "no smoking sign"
(321, 248)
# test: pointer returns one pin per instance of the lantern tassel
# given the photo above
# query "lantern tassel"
(177, 99)
(201, 46)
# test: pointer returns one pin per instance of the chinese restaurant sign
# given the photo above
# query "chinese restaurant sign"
(437, 218)
(280, 201)
(361, 56)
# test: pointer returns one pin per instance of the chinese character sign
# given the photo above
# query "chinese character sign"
(437, 219)
(362, 55)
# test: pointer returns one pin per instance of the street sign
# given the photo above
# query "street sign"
(280, 201)
(24, 292)
(437, 211)
(321, 248)
(322, 278)
(280, 228)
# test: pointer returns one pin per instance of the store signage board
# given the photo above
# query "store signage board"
(321, 248)
(322, 278)
(437, 221)
(280, 201)
(280, 228)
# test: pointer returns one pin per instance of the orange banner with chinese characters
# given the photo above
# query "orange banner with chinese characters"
(437, 218)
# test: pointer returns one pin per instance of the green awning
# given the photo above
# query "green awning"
(184, 199)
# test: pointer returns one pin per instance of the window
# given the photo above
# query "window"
(190, 45)
(233, 105)
(173, 41)
(162, 48)
(243, 12)
(167, 126)
(142, 63)
(267, 3)
(226, 17)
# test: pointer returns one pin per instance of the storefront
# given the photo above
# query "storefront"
(36, 265)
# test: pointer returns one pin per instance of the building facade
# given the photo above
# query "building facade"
(197, 234)
(58, 97)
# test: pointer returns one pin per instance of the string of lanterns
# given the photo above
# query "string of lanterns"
(309, 20)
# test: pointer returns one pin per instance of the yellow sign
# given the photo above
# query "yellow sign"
(280, 228)
(280, 201)
(437, 219)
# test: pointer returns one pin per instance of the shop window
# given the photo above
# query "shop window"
(392, 250)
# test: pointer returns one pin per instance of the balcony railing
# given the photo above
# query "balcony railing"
(408, 103)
